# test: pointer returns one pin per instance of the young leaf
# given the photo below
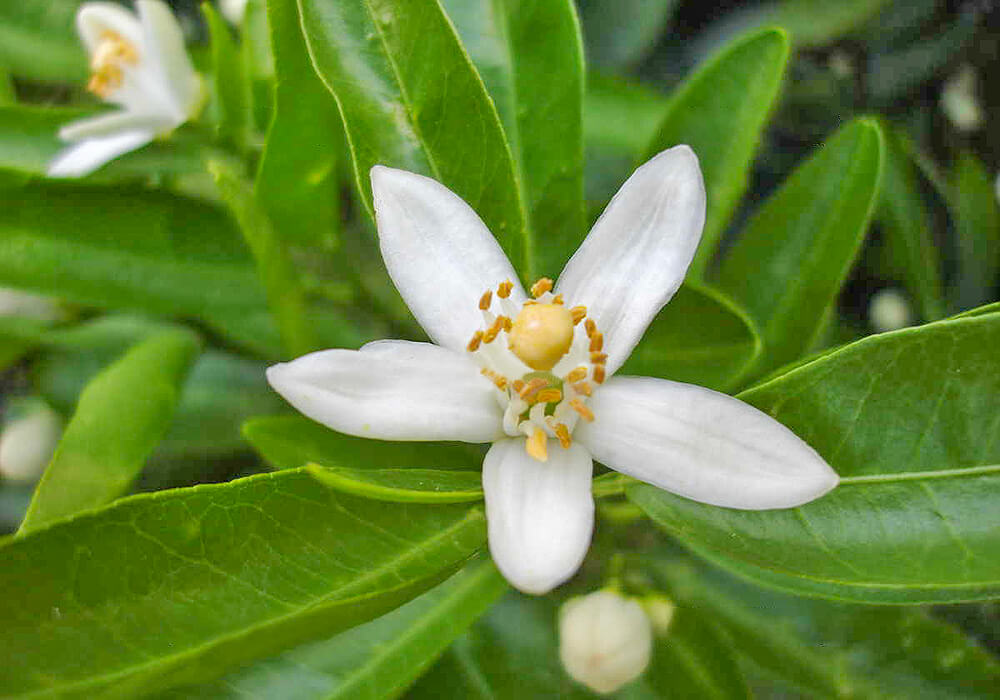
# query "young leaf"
(907, 419)
(410, 98)
(121, 416)
(182, 586)
(406, 485)
(287, 442)
(700, 337)
(230, 85)
(788, 265)
(720, 112)
(537, 87)
(298, 186)
(378, 659)
(977, 220)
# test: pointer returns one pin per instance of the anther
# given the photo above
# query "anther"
(537, 445)
(585, 413)
(578, 313)
(517, 385)
(597, 342)
(485, 300)
(503, 291)
(550, 395)
(539, 288)
(583, 388)
(562, 432)
(590, 326)
(598, 374)
(499, 324)
(473, 345)
(576, 375)
(558, 299)
(532, 388)
(598, 358)
(498, 379)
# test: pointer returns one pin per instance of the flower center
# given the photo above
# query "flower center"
(543, 373)
(112, 53)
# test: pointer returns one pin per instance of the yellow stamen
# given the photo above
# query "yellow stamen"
(473, 345)
(578, 313)
(532, 388)
(599, 374)
(558, 299)
(503, 291)
(550, 395)
(498, 379)
(539, 288)
(517, 385)
(106, 63)
(590, 326)
(583, 388)
(541, 334)
(485, 300)
(598, 358)
(596, 342)
(537, 445)
(577, 374)
(585, 413)
(562, 432)
(499, 324)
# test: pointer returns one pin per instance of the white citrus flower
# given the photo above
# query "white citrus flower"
(14, 302)
(139, 63)
(605, 640)
(535, 376)
(28, 442)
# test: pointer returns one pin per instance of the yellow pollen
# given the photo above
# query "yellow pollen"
(558, 299)
(501, 323)
(551, 395)
(585, 413)
(539, 288)
(577, 374)
(485, 300)
(583, 388)
(599, 374)
(562, 432)
(598, 358)
(106, 64)
(597, 342)
(590, 326)
(537, 445)
(473, 345)
(578, 313)
(503, 291)
(541, 334)
(532, 388)
(517, 385)
(498, 379)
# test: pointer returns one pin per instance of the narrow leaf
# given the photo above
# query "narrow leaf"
(977, 220)
(230, 84)
(121, 416)
(409, 485)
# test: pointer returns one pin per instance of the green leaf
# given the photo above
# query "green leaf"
(286, 442)
(619, 32)
(813, 24)
(376, 660)
(223, 573)
(404, 485)
(537, 87)
(977, 223)
(903, 218)
(908, 420)
(410, 98)
(38, 40)
(7, 96)
(230, 85)
(700, 337)
(720, 112)
(121, 416)
(285, 296)
(298, 186)
(788, 265)
(835, 650)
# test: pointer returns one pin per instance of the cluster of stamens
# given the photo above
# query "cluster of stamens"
(542, 361)
(112, 52)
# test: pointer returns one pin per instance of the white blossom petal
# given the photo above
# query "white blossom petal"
(95, 19)
(637, 253)
(540, 514)
(88, 155)
(111, 124)
(438, 252)
(702, 445)
(164, 43)
(392, 390)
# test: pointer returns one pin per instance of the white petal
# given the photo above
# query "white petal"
(637, 253)
(439, 254)
(702, 445)
(392, 390)
(88, 155)
(540, 514)
(112, 124)
(94, 19)
(164, 45)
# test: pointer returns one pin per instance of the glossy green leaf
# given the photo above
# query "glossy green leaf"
(537, 87)
(788, 265)
(38, 40)
(230, 85)
(720, 112)
(836, 650)
(700, 337)
(403, 485)
(294, 441)
(182, 586)
(410, 98)
(977, 223)
(909, 420)
(121, 416)
(298, 186)
(285, 296)
(376, 660)
(905, 224)
(619, 33)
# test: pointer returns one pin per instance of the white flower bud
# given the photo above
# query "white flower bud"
(959, 101)
(605, 640)
(889, 310)
(28, 442)
(233, 10)
(14, 302)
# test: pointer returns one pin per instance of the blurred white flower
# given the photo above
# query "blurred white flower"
(28, 442)
(536, 379)
(959, 101)
(139, 63)
(14, 302)
(233, 10)
(605, 640)
(889, 310)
